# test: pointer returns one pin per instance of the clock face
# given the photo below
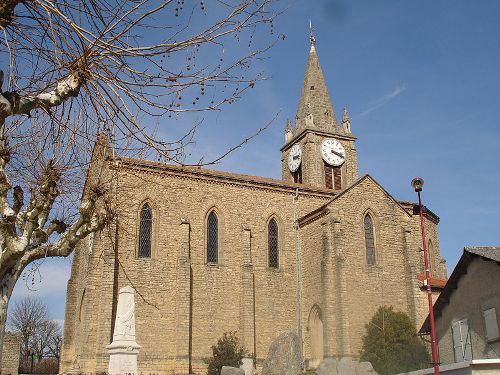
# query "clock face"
(332, 152)
(294, 158)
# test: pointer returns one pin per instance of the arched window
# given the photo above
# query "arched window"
(272, 240)
(145, 229)
(333, 177)
(430, 257)
(369, 240)
(212, 238)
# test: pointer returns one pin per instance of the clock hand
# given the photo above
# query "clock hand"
(338, 154)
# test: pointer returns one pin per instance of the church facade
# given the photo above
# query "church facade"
(208, 252)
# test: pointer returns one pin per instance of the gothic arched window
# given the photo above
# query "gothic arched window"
(430, 258)
(145, 231)
(369, 240)
(272, 240)
(212, 238)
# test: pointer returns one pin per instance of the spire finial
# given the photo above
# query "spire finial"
(311, 34)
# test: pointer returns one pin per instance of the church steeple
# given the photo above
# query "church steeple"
(318, 150)
(315, 108)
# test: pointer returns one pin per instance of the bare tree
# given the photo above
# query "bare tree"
(40, 337)
(73, 69)
(46, 339)
(28, 316)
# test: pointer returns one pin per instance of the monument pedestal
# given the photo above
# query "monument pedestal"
(123, 357)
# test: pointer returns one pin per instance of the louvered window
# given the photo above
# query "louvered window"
(461, 340)
(333, 177)
(212, 238)
(491, 324)
(297, 175)
(272, 229)
(145, 229)
(369, 240)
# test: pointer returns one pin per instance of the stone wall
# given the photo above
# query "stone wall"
(183, 304)
(337, 278)
(10, 354)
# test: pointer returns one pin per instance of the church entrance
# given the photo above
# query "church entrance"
(315, 325)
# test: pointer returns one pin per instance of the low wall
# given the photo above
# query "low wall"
(10, 354)
(474, 367)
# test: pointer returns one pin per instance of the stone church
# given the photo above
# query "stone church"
(208, 252)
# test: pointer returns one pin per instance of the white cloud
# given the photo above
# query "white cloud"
(384, 99)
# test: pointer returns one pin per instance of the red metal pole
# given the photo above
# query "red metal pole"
(435, 355)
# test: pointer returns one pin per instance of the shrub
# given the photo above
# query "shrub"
(227, 352)
(391, 343)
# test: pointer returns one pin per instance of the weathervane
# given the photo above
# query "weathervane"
(311, 38)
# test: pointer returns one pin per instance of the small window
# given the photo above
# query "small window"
(461, 340)
(369, 240)
(273, 253)
(491, 324)
(212, 238)
(145, 229)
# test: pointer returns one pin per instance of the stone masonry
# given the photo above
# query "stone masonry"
(10, 356)
(323, 288)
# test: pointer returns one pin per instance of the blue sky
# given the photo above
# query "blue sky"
(421, 82)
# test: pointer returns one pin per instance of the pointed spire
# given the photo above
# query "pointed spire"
(315, 107)
(346, 121)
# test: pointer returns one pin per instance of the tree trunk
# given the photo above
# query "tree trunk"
(7, 284)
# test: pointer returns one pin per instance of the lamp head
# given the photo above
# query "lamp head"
(417, 183)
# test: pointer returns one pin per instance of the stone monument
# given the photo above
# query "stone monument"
(123, 350)
(284, 356)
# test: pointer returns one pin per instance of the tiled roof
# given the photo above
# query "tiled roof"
(487, 252)
(435, 281)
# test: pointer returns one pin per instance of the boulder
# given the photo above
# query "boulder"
(327, 367)
(365, 368)
(344, 366)
(284, 356)
(228, 370)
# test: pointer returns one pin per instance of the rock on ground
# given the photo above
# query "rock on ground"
(284, 356)
(228, 370)
(344, 366)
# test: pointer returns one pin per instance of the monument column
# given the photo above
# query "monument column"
(123, 351)
(183, 303)
(247, 309)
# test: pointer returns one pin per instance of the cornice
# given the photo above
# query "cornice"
(305, 131)
(213, 176)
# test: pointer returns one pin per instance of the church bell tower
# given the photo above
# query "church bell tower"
(318, 150)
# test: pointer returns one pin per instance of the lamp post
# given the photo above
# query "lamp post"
(417, 184)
